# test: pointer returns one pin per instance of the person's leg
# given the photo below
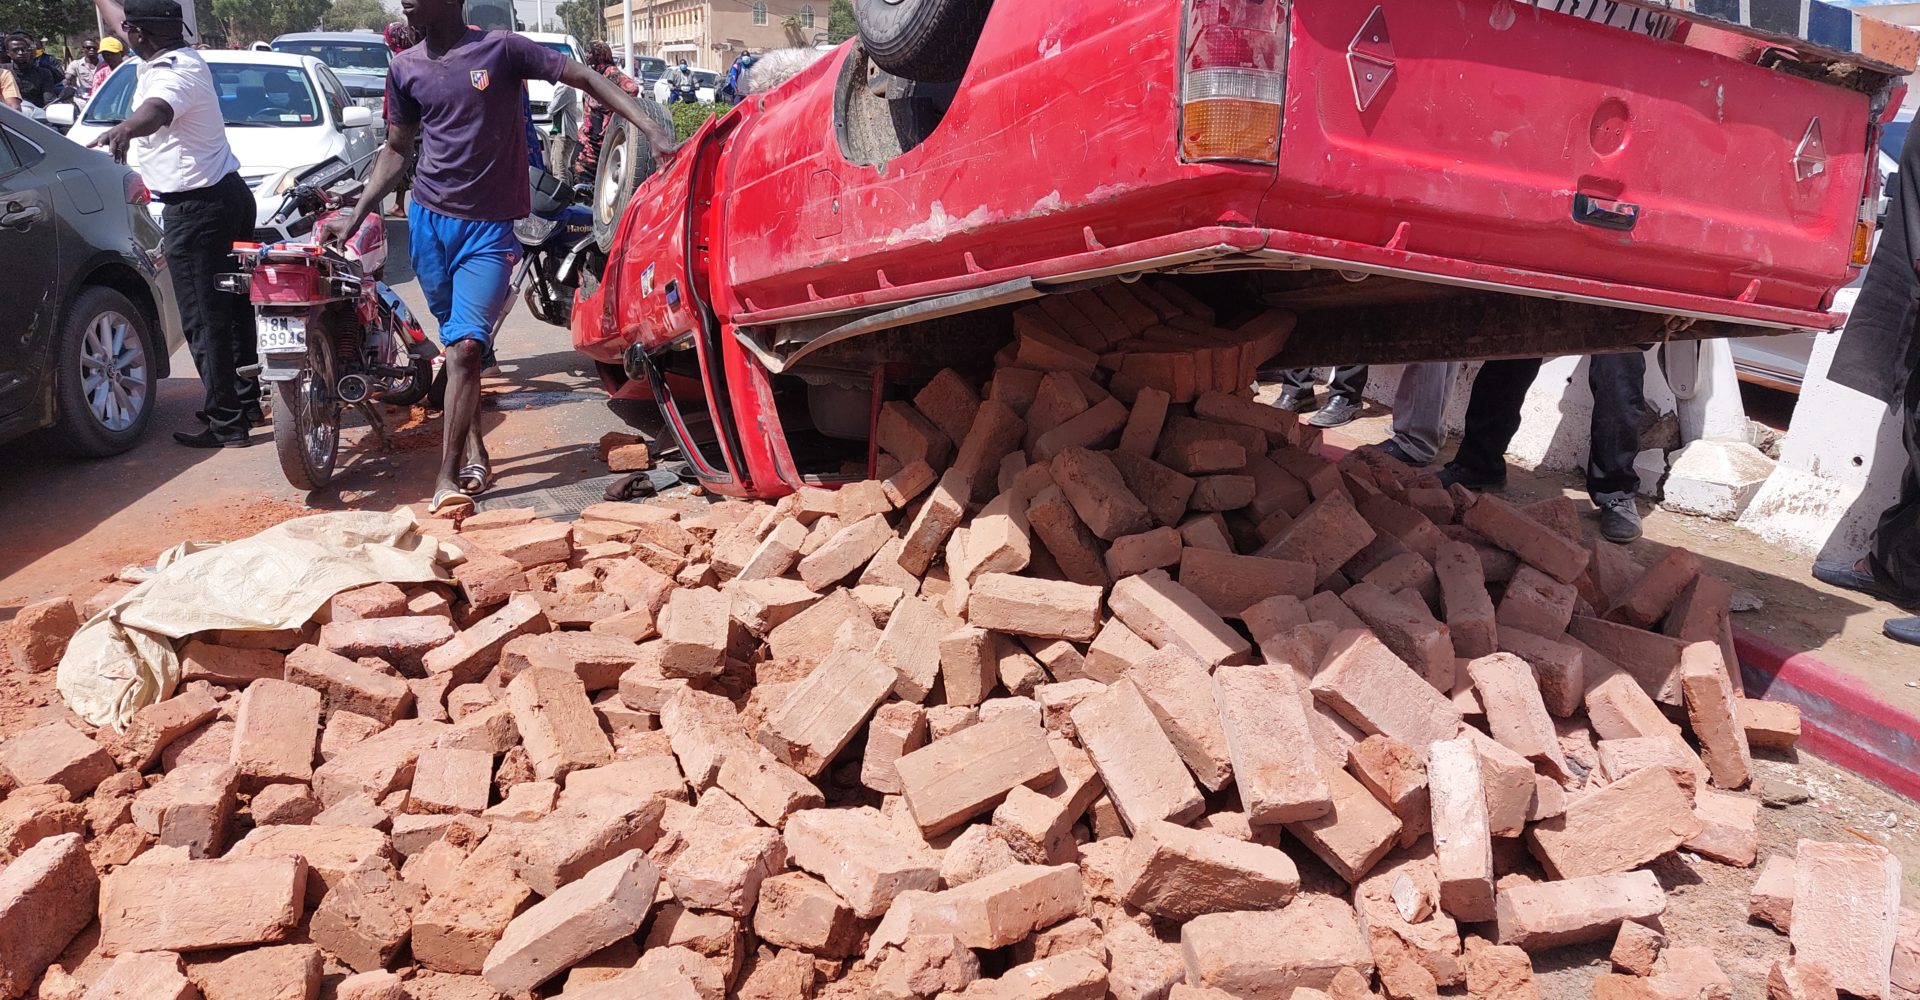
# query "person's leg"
(1493, 416)
(1619, 412)
(1348, 382)
(1296, 389)
(193, 235)
(240, 207)
(483, 257)
(1893, 555)
(1343, 397)
(1419, 407)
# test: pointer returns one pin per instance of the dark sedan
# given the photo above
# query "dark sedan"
(89, 317)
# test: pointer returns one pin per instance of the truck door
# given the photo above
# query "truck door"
(661, 309)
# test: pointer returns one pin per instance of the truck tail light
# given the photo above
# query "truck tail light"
(137, 193)
(1863, 239)
(1233, 80)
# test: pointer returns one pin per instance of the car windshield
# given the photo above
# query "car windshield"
(650, 67)
(252, 95)
(704, 78)
(1894, 137)
(351, 57)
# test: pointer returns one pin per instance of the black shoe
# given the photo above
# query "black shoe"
(208, 439)
(1338, 412)
(1847, 576)
(1453, 475)
(1905, 630)
(1392, 450)
(1619, 520)
(1294, 400)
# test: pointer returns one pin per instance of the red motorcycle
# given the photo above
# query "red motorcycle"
(330, 333)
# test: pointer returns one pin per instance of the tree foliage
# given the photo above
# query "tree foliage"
(688, 115)
(261, 20)
(54, 20)
(840, 23)
(582, 19)
(348, 15)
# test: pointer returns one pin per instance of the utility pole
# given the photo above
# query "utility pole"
(626, 32)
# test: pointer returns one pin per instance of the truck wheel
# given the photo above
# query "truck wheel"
(926, 40)
(625, 160)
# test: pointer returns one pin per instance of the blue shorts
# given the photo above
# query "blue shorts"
(465, 270)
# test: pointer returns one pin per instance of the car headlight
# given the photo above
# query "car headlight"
(533, 230)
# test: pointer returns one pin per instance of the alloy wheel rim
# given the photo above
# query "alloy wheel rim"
(113, 371)
(616, 156)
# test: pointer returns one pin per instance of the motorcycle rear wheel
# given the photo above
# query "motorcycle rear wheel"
(306, 425)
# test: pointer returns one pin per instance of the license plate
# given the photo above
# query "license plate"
(282, 333)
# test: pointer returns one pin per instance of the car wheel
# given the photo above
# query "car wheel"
(926, 40)
(104, 384)
(626, 159)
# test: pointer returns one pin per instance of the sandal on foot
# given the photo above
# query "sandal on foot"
(449, 498)
(474, 479)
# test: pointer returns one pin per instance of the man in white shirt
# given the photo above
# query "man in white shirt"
(180, 137)
(80, 70)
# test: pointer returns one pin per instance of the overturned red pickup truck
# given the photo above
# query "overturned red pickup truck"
(1335, 180)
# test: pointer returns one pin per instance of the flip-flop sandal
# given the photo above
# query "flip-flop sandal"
(474, 479)
(449, 498)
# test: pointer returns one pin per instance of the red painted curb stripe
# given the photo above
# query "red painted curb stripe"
(1840, 719)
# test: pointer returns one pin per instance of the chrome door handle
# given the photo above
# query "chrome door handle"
(21, 217)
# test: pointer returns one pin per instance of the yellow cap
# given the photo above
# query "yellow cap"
(111, 44)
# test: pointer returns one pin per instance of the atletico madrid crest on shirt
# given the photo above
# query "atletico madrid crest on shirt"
(479, 78)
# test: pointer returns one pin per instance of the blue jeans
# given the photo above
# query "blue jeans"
(465, 270)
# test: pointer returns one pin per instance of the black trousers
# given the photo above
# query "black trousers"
(1894, 555)
(1348, 380)
(199, 229)
(1619, 412)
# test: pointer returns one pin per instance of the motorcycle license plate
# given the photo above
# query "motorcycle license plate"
(282, 333)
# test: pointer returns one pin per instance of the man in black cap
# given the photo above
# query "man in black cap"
(179, 137)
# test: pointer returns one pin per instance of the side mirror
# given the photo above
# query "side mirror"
(355, 116)
(60, 116)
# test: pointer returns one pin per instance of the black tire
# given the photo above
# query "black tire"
(926, 40)
(306, 419)
(626, 159)
(416, 390)
(104, 379)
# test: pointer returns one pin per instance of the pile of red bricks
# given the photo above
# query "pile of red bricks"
(1082, 699)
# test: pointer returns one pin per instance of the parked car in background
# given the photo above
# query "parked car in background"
(649, 69)
(704, 79)
(285, 112)
(1781, 362)
(540, 92)
(358, 58)
(92, 319)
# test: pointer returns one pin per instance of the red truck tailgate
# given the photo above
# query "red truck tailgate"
(1489, 125)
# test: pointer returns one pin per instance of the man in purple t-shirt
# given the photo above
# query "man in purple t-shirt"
(457, 93)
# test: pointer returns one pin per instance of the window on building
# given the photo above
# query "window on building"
(760, 13)
(806, 15)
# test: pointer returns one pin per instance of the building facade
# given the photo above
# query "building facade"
(708, 34)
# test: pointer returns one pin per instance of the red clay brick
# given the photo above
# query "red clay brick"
(1099, 493)
(1375, 690)
(1408, 629)
(952, 780)
(1846, 913)
(1026, 606)
(556, 722)
(996, 432)
(950, 402)
(1395, 774)
(56, 754)
(1535, 602)
(1463, 841)
(1774, 725)
(693, 633)
(276, 729)
(47, 897)
(606, 904)
(196, 905)
(1164, 491)
(1615, 828)
(1558, 668)
(1167, 614)
(1544, 915)
(347, 685)
(1276, 952)
(1326, 534)
(1710, 708)
(1355, 834)
(1144, 422)
(39, 633)
(1647, 601)
(1156, 548)
(1652, 659)
(1516, 715)
(821, 714)
(1537, 545)
(860, 856)
(1229, 584)
(1178, 874)
(228, 665)
(1139, 765)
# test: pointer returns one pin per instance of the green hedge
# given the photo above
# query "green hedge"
(687, 117)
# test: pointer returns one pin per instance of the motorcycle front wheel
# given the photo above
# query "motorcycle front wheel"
(306, 422)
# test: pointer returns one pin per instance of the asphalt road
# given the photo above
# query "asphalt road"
(66, 521)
